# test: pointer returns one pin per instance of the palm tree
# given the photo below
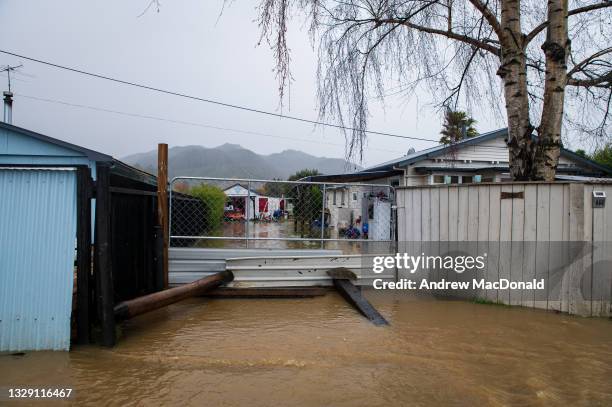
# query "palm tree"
(457, 126)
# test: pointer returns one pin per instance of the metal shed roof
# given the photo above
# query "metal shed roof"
(117, 167)
(90, 154)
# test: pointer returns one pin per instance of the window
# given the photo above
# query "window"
(335, 197)
(438, 179)
(354, 196)
(460, 179)
(342, 198)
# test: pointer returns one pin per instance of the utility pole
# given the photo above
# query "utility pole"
(8, 95)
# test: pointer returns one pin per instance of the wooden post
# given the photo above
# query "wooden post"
(158, 260)
(83, 253)
(104, 275)
(162, 203)
(342, 281)
(147, 303)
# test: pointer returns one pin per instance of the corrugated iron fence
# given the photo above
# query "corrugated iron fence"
(37, 245)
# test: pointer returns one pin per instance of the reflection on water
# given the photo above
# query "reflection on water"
(282, 229)
(315, 352)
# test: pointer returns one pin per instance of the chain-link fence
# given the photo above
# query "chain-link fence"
(223, 212)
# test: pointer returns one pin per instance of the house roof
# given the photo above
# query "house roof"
(90, 154)
(117, 167)
(443, 149)
(354, 176)
(238, 184)
(436, 151)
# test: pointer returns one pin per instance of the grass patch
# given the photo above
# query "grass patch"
(489, 302)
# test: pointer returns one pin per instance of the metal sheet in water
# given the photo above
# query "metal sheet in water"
(37, 241)
(190, 264)
(299, 271)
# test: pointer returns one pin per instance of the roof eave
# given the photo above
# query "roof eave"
(90, 154)
(442, 150)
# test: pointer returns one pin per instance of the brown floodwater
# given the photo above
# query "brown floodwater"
(281, 230)
(320, 352)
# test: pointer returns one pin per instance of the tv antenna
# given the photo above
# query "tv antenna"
(8, 70)
(8, 95)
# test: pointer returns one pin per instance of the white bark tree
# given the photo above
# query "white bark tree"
(460, 50)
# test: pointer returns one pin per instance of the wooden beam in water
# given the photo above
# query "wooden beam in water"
(147, 303)
(290, 292)
(342, 281)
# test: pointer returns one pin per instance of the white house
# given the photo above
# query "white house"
(259, 206)
(352, 205)
(483, 158)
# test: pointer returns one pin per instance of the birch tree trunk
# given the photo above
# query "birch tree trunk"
(556, 50)
(513, 71)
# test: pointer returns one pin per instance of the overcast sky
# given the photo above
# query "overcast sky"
(185, 48)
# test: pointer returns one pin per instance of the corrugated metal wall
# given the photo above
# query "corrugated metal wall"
(37, 251)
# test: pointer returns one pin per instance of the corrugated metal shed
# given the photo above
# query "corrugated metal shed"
(37, 237)
(38, 217)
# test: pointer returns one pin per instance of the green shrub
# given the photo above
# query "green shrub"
(213, 202)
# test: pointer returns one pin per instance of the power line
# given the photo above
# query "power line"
(188, 123)
(212, 101)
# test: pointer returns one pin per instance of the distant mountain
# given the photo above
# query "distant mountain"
(234, 161)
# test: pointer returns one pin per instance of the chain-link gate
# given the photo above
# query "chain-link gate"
(225, 212)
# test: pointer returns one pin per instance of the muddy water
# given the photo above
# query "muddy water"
(316, 352)
(283, 229)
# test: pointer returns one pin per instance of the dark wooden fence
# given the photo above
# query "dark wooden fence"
(127, 248)
(133, 235)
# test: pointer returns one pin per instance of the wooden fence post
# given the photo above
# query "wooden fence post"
(104, 273)
(83, 253)
(162, 203)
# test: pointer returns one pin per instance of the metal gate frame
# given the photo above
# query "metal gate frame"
(247, 238)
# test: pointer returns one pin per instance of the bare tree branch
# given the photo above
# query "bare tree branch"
(579, 66)
(448, 34)
(471, 53)
(585, 9)
(604, 81)
(488, 15)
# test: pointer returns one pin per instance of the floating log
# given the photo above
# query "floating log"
(290, 292)
(140, 305)
(342, 281)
